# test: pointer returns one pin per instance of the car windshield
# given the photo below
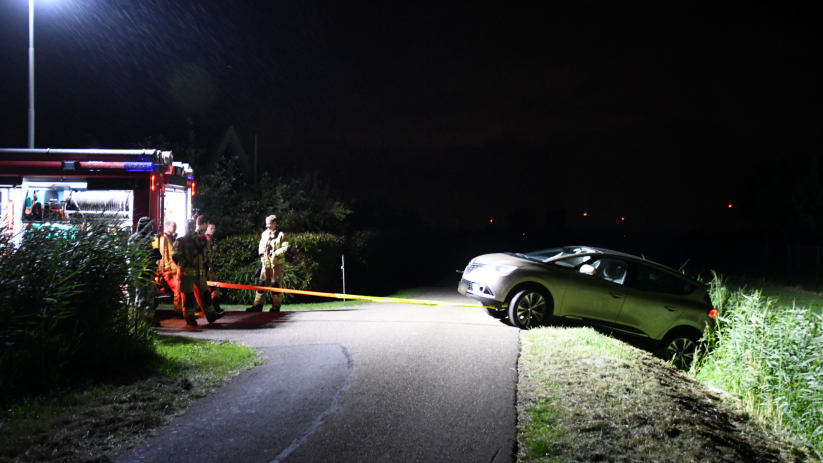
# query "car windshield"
(546, 255)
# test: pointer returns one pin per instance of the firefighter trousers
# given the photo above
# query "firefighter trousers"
(174, 284)
(270, 277)
(196, 297)
(215, 292)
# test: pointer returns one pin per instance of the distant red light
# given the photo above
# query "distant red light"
(192, 188)
(730, 206)
(585, 214)
(492, 220)
(713, 313)
(152, 182)
(622, 218)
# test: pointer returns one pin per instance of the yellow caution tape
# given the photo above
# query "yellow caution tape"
(343, 296)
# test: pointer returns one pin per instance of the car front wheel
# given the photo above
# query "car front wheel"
(680, 350)
(529, 308)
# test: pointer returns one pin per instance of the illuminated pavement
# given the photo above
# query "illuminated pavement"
(378, 382)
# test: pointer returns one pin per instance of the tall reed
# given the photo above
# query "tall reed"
(769, 355)
(65, 308)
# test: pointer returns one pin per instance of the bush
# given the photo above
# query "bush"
(315, 262)
(769, 356)
(235, 261)
(64, 308)
(312, 263)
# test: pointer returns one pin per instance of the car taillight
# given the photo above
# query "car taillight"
(713, 313)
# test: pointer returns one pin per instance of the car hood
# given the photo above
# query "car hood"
(500, 259)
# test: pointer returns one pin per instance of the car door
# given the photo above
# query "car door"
(654, 299)
(595, 290)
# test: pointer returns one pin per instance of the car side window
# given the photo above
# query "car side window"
(571, 261)
(646, 278)
(613, 270)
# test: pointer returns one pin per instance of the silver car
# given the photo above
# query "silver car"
(597, 286)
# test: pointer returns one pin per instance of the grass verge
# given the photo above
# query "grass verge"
(98, 422)
(583, 396)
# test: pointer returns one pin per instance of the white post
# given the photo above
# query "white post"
(343, 267)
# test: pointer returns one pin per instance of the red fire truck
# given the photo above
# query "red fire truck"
(49, 186)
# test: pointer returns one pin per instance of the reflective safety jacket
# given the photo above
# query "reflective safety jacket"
(164, 243)
(272, 248)
(189, 252)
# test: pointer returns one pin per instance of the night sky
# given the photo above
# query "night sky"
(462, 113)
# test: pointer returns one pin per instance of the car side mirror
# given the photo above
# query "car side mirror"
(587, 269)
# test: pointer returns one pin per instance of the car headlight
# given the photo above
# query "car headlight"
(504, 269)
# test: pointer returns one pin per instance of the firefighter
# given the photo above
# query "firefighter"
(146, 288)
(189, 253)
(168, 268)
(211, 249)
(272, 250)
(202, 228)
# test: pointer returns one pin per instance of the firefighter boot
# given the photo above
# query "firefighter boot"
(215, 302)
(275, 302)
(259, 298)
(275, 297)
(217, 309)
(211, 315)
(190, 309)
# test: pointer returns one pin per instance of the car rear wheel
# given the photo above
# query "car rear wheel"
(529, 308)
(680, 349)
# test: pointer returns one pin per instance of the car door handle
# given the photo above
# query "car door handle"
(670, 308)
(616, 295)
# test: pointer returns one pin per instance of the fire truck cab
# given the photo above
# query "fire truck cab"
(44, 187)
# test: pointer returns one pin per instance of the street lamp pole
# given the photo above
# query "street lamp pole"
(31, 73)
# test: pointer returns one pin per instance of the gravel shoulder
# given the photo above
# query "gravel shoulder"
(586, 397)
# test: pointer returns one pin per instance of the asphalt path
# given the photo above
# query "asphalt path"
(373, 383)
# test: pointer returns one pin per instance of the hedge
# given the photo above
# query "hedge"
(312, 263)
(377, 263)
